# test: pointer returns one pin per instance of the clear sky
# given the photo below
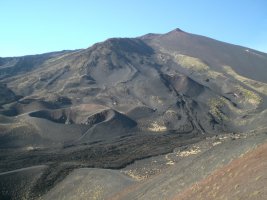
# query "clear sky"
(38, 26)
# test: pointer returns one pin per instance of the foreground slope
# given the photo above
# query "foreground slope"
(243, 178)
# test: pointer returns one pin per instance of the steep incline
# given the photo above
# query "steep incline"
(243, 178)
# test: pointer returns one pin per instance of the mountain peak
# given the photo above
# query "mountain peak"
(177, 30)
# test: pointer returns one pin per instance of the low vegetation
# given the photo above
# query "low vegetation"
(191, 63)
(249, 96)
(255, 85)
(156, 127)
(216, 105)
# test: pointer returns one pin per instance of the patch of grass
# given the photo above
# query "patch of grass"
(255, 85)
(255, 193)
(216, 104)
(191, 63)
(258, 178)
(213, 74)
(98, 193)
(156, 127)
(189, 152)
(249, 96)
(194, 64)
(197, 65)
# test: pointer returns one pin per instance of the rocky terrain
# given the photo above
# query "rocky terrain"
(161, 116)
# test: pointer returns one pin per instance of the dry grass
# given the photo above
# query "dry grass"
(192, 151)
(156, 127)
(255, 85)
(216, 104)
(157, 99)
(141, 174)
(169, 160)
(98, 193)
(249, 96)
(191, 63)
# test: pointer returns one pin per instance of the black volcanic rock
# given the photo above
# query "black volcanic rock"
(6, 95)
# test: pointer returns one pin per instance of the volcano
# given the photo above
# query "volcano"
(133, 109)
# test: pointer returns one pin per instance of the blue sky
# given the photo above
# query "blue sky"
(38, 26)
